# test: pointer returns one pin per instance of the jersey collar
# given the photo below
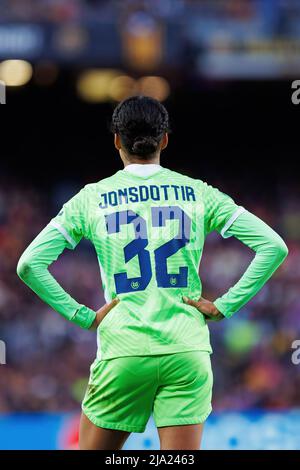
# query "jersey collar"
(143, 169)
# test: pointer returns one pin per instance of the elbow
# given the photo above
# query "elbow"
(281, 250)
(23, 268)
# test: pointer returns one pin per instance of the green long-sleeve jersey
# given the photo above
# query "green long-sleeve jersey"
(148, 226)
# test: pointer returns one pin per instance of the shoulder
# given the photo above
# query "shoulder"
(93, 188)
(188, 180)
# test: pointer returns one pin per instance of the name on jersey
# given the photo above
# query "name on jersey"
(135, 194)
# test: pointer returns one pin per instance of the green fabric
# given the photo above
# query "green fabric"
(151, 317)
(33, 270)
(270, 252)
(123, 392)
(149, 233)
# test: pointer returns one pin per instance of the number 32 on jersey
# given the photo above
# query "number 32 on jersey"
(138, 247)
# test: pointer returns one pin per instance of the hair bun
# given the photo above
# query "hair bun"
(143, 146)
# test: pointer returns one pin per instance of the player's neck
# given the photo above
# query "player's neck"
(137, 160)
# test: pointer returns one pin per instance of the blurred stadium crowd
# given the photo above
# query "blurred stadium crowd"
(48, 359)
(65, 10)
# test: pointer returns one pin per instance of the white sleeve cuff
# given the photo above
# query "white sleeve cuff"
(63, 231)
(228, 224)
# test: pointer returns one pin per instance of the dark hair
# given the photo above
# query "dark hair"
(141, 122)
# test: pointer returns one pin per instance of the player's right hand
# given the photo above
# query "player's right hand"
(102, 312)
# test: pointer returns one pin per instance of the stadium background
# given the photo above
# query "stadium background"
(224, 70)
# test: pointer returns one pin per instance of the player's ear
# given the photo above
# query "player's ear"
(117, 142)
(164, 141)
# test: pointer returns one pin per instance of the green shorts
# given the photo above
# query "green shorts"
(124, 392)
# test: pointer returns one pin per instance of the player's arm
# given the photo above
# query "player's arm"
(270, 251)
(64, 231)
(33, 270)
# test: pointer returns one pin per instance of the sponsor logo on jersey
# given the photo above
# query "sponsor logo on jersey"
(135, 285)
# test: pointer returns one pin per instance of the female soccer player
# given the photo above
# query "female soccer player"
(148, 225)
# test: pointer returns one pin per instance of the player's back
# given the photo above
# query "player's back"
(148, 226)
(148, 233)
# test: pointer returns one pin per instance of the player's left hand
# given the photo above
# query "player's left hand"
(102, 312)
(207, 308)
